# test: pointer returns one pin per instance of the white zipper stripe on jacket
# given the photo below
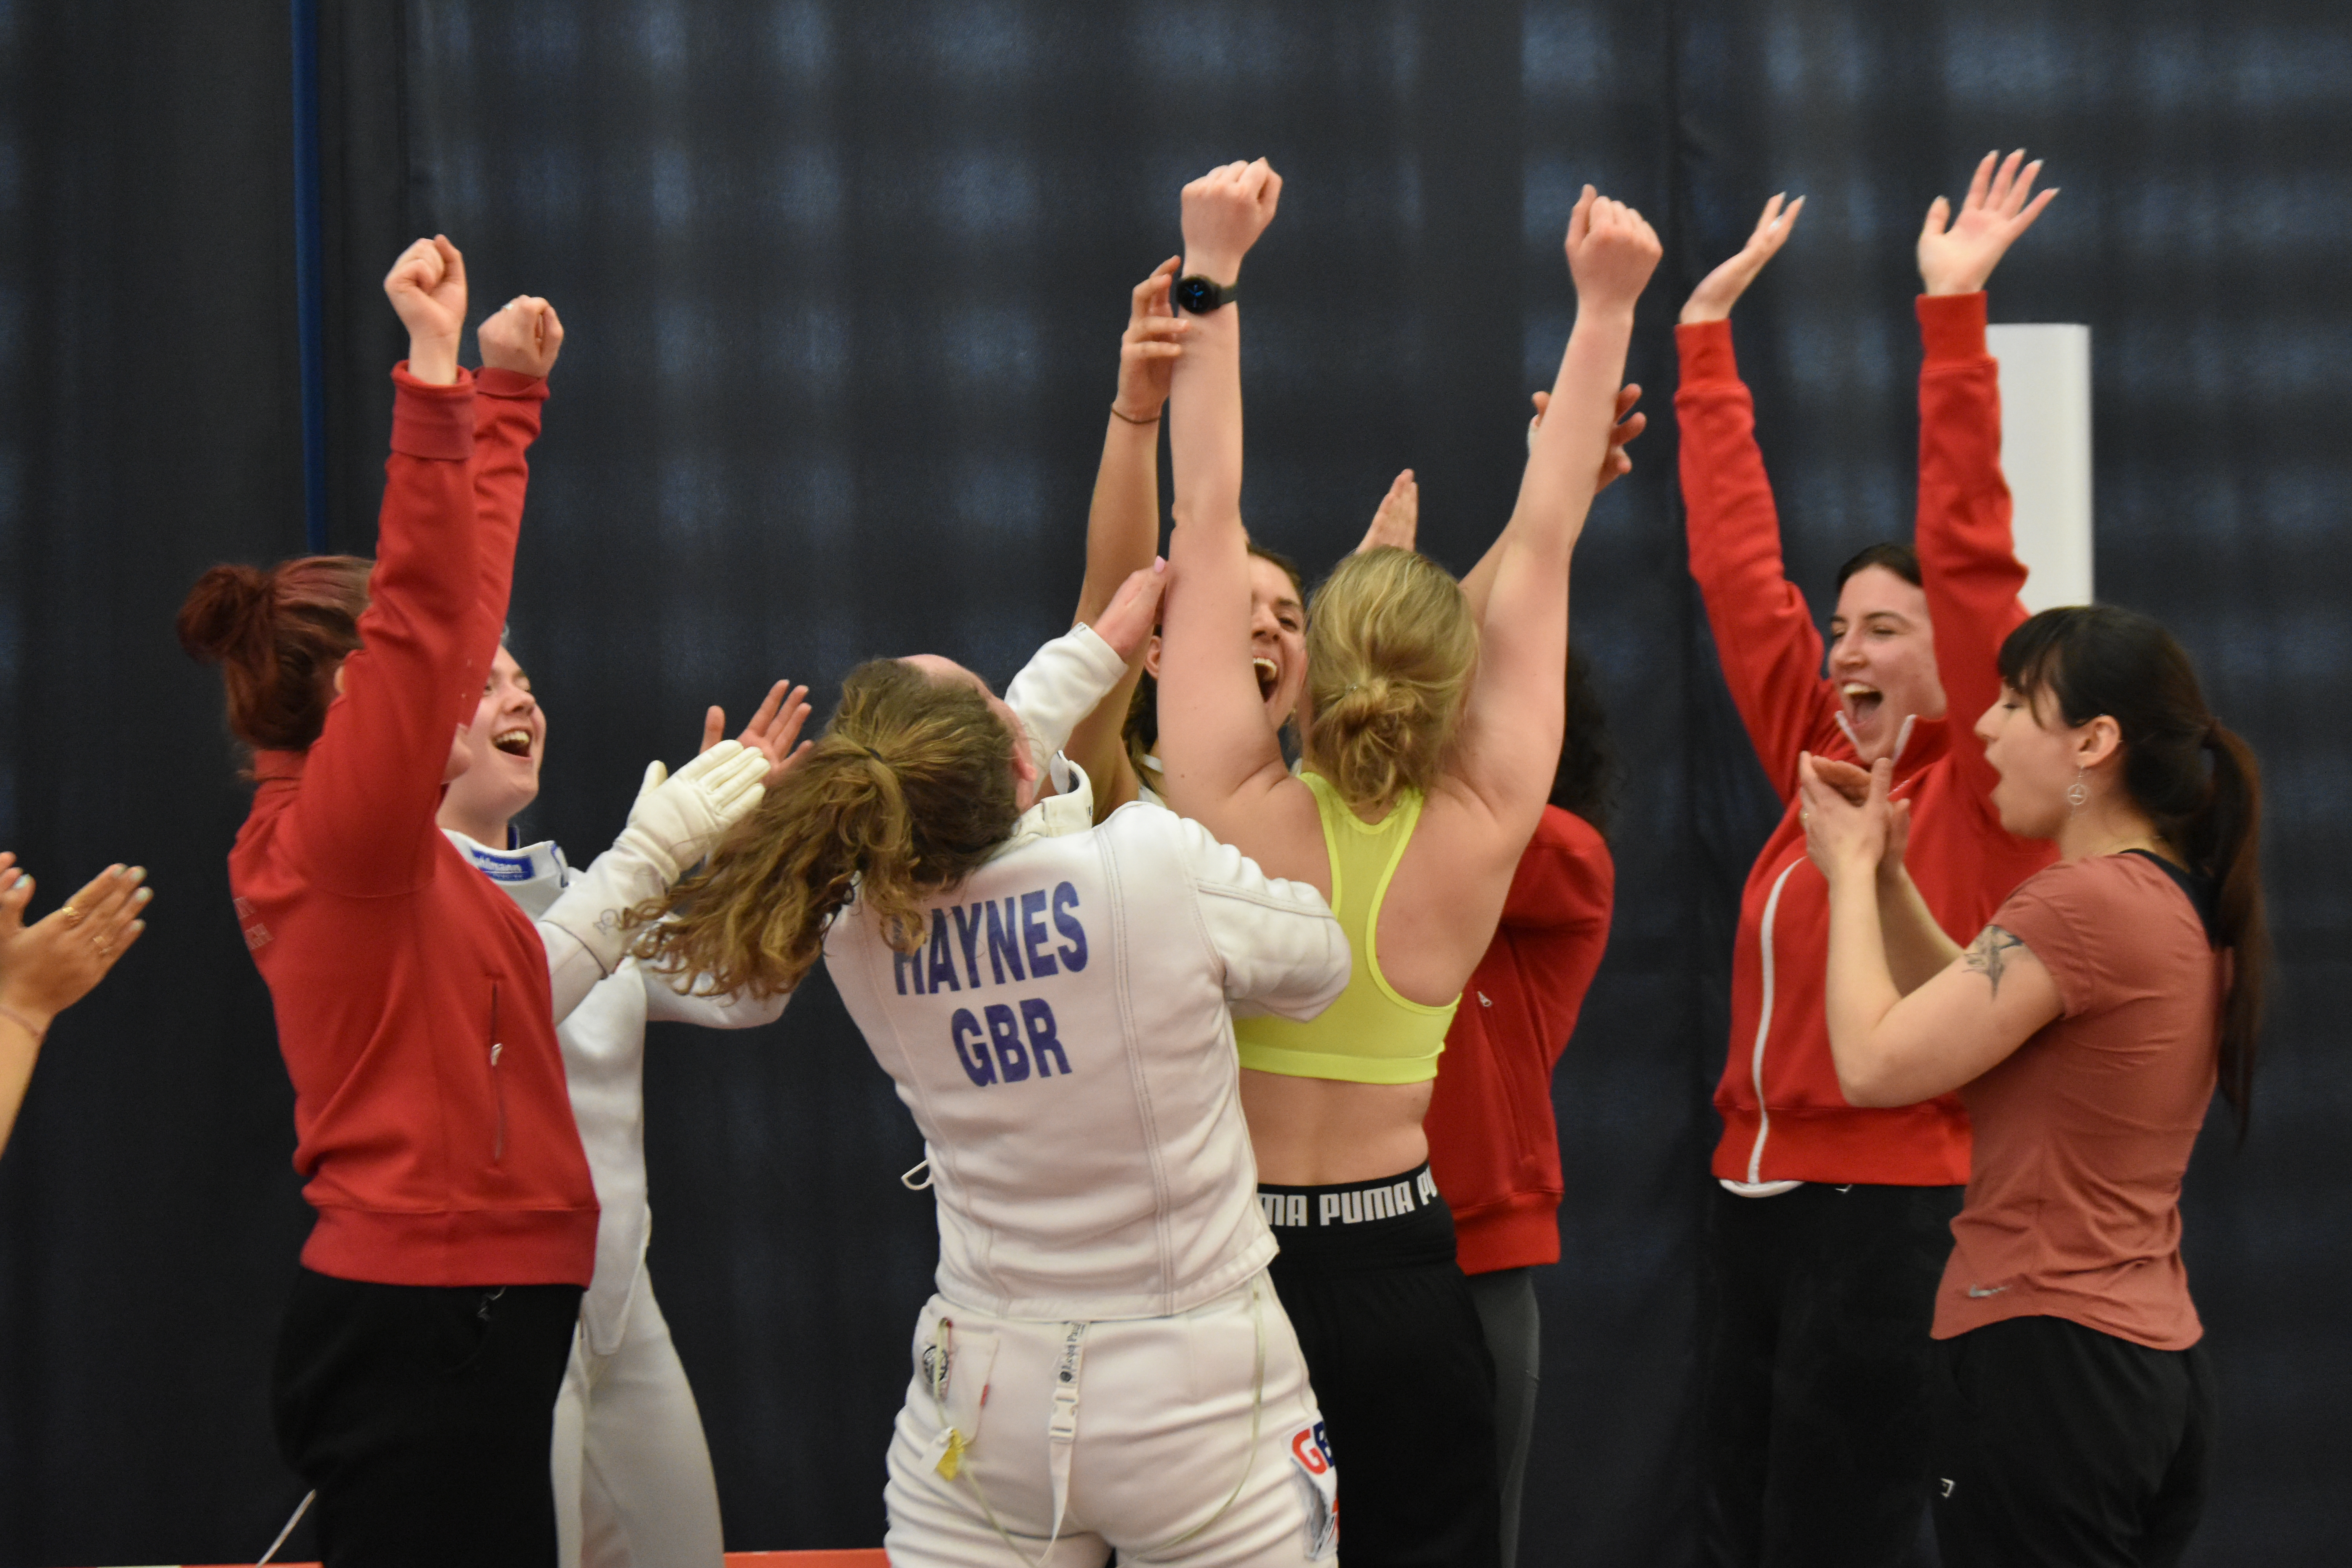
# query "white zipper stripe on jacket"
(1764, 1028)
(1764, 1014)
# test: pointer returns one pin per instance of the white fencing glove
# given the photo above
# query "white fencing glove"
(677, 820)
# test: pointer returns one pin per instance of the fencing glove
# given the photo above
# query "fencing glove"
(677, 820)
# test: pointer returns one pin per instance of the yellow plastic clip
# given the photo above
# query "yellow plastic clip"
(952, 1461)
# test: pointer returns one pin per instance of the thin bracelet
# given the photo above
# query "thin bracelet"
(21, 1021)
(1130, 418)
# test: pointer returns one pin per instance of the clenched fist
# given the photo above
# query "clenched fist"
(427, 288)
(1224, 212)
(1611, 251)
(524, 337)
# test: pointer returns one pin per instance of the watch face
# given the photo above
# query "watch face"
(1197, 295)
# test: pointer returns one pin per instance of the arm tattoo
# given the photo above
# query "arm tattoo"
(1987, 955)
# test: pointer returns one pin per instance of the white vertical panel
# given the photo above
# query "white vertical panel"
(2046, 450)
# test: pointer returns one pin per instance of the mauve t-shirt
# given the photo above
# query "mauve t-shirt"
(2084, 1132)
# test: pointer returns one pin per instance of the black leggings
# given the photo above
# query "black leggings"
(2055, 1443)
(1399, 1368)
(1814, 1429)
(423, 1417)
(1506, 1300)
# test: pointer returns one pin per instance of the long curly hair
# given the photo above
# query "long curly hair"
(909, 791)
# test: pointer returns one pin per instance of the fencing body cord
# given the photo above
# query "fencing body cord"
(1061, 1434)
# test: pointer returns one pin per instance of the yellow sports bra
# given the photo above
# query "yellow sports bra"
(1371, 1035)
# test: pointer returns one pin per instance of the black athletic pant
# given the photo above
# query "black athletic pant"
(423, 1417)
(2056, 1443)
(1505, 1300)
(1814, 1425)
(1399, 1368)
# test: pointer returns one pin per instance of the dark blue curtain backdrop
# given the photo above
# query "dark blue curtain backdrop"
(844, 284)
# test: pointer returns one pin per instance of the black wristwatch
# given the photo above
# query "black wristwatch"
(1198, 295)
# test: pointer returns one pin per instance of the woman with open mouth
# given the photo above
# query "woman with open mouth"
(1430, 727)
(1114, 744)
(2085, 1028)
(416, 1007)
(632, 1471)
(1828, 1220)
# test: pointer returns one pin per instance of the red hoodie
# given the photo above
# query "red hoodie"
(434, 1131)
(1784, 1117)
(1493, 1144)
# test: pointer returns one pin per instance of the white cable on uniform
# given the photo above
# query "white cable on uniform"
(299, 1509)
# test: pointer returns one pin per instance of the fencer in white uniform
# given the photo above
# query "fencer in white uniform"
(632, 1470)
(1105, 1364)
(633, 1479)
(632, 1474)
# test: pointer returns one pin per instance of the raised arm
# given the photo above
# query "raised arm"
(1968, 552)
(362, 819)
(1764, 637)
(519, 344)
(1123, 525)
(1512, 720)
(1222, 757)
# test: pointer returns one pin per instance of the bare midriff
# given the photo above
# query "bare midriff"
(1314, 1131)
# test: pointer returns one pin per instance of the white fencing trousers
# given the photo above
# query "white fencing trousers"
(633, 1483)
(1159, 1456)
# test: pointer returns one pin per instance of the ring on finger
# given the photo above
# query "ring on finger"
(70, 915)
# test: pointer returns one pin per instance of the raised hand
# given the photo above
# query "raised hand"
(1148, 349)
(49, 965)
(1134, 610)
(1224, 212)
(1397, 521)
(1616, 462)
(1611, 251)
(428, 289)
(523, 336)
(774, 731)
(1957, 255)
(1720, 290)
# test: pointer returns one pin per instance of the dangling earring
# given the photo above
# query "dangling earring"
(2076, 794)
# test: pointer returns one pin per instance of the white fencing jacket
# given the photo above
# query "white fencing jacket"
(604, 1041)
(1064, 1043)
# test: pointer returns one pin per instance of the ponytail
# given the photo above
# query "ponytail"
(1391, 651)
(2198, 782)
(908, 792)
(279, 637)
(2225, 842)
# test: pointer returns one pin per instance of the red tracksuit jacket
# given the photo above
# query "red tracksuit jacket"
(1493, 1144)
(434, 1134)
(1783, 1116)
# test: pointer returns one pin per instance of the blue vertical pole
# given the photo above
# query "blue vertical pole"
(309, 274)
